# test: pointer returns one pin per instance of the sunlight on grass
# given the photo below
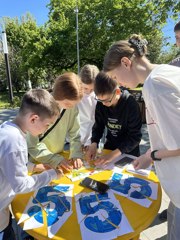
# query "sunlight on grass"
(5, 99)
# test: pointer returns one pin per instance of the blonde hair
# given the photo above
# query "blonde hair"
(135, 47)
(40, 102)
(88, 73)
(67, 86)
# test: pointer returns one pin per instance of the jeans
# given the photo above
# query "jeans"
(8, 232)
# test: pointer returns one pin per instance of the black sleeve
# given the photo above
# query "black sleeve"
(99, 125)
(175, 62)
(134, 123)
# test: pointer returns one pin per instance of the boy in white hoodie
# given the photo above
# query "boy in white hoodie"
(38, 110)
(88, 103)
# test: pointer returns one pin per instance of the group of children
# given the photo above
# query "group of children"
(81, 108)
(77, 107)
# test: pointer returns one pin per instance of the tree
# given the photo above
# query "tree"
(40, 53)
(167, 56)
(101, 22)
(3, 81)
(26, 43)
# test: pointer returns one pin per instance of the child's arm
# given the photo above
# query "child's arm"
(41, 167)
(39, 152)
(99, 125)
(145, 160)
(37, 167)
(15, 170)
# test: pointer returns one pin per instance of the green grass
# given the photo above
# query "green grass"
(5, 100)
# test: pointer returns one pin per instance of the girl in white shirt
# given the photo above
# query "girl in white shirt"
(127, 63)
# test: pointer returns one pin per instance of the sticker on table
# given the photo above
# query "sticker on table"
(56, 201)
(136, 189)
(100, 216)
(143, 172)
(81, 173)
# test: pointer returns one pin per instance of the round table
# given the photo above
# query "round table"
(139, 217)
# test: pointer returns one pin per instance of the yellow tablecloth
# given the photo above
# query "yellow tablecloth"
(139, 217)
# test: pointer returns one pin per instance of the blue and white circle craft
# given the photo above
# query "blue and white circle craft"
(55, 201)
(136, 189)
(101, 216)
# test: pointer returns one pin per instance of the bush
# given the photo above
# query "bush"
(16, 102)
(5, 101)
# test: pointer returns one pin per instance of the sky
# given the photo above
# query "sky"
(18, 8)
(168, 30)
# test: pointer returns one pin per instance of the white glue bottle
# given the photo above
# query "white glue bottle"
(100, 148)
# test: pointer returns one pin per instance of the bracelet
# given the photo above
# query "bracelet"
(153, 156)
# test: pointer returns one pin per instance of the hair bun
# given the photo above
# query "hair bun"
(140, 44)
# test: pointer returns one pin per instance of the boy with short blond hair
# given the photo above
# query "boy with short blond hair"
(87, 105)
(38, 110)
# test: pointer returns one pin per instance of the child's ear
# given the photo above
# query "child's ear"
(34, 118)
(125, 62)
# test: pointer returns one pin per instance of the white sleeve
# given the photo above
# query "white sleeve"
(30, 166)
(16, 171)
(165, 109)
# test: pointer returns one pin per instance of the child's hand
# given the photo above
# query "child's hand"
(59, 173)
(77, 163)
(41, 167)
(142, 162)
(91, 152)
(103, 160)
(66, 164)
(85, 148)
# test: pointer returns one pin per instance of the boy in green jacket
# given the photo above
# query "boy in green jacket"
(67, 92)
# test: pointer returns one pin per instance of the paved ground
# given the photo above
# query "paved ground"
(157, 230)
(7, 114)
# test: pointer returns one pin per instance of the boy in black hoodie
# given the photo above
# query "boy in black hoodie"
(119, 112)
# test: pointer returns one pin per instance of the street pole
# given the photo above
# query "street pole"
(77, 36)
(5, 50)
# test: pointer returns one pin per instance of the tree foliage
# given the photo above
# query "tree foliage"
(167, 56)
(41, 52)
(26, 42)
(101, 22)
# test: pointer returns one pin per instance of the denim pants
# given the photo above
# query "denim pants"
(8, 232)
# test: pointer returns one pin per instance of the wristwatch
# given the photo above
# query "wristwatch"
(153, 156)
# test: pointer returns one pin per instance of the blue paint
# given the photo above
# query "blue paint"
(61, 203)
(36, 210)
(145, 189)
(95, 224)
